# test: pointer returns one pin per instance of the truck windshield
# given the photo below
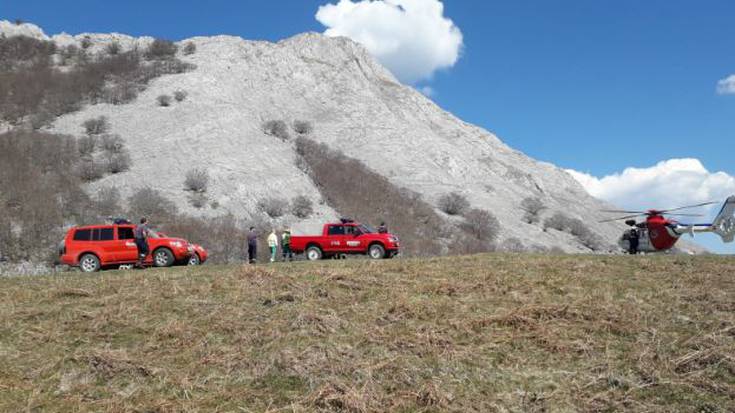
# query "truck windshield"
(367, 229)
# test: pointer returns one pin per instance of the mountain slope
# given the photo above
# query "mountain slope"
(354, 104)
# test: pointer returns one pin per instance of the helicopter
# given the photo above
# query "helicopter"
(660, 233)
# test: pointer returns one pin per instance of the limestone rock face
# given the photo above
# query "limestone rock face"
(354, 104)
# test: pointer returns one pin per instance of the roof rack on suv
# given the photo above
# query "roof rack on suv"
(346, 220)
(119, 221)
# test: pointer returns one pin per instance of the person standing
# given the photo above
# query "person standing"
(141, 233)
(634, 240)
(252, 246)
(382, 229)
(286, 245)
(273, 244)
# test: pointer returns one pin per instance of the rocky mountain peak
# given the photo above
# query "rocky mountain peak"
(353, 104)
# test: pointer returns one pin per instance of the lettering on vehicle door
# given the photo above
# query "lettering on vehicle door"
(335, 243)
(353, 243)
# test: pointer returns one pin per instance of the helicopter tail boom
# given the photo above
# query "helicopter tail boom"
(723, 224)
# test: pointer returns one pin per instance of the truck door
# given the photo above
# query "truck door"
(353, 239)
(336, 240)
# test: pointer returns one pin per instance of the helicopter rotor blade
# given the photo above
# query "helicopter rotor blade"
(689, 206)
(622, 211)
(619, 218)
(685, 215)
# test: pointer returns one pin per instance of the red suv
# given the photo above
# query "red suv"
(94, 247)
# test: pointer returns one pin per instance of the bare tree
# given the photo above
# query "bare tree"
(513, 244)
(151, 203)
(453, 203)
(86, 42)
(180, 95)
(37, 202)
(87, 145)
(301, 206)
(190, 48)
(112, 143)
(558, 221)
(107, 201)
(576, 227)
(196, 180)
(113, 48)
(482, 225)
(198, 200)
(274, 207)
(302, 127)
(161, 49)
(96, 126)
(117, 162)
(277, 128)
(532, 208)
(90, 170)
(119, 92)
(164, 100)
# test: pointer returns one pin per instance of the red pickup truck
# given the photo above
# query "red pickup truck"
(346, 237)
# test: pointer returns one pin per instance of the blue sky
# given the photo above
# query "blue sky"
(588, 85)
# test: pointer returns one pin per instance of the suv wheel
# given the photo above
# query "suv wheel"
(194, 259)
(89, 263)
(376, 251)
(313, 253)
(163, 257)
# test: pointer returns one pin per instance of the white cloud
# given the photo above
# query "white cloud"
(668, 184)
(726, 86)
(412, 38)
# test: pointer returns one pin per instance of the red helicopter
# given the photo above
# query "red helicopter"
(659, 233)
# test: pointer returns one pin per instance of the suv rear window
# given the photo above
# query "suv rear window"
(82, 234)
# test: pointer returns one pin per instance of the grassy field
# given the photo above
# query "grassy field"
(482, 333)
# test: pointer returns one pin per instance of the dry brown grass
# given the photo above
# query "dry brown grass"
(489, 333)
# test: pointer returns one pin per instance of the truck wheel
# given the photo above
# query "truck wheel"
(194, 259)
(163, 257)
(313, 253)
(89, 263)
(376, 251)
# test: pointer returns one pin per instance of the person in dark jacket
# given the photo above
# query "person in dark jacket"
(382, 229)
(286, 245)
(634, 240)
(252, 246)
(141, 233)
